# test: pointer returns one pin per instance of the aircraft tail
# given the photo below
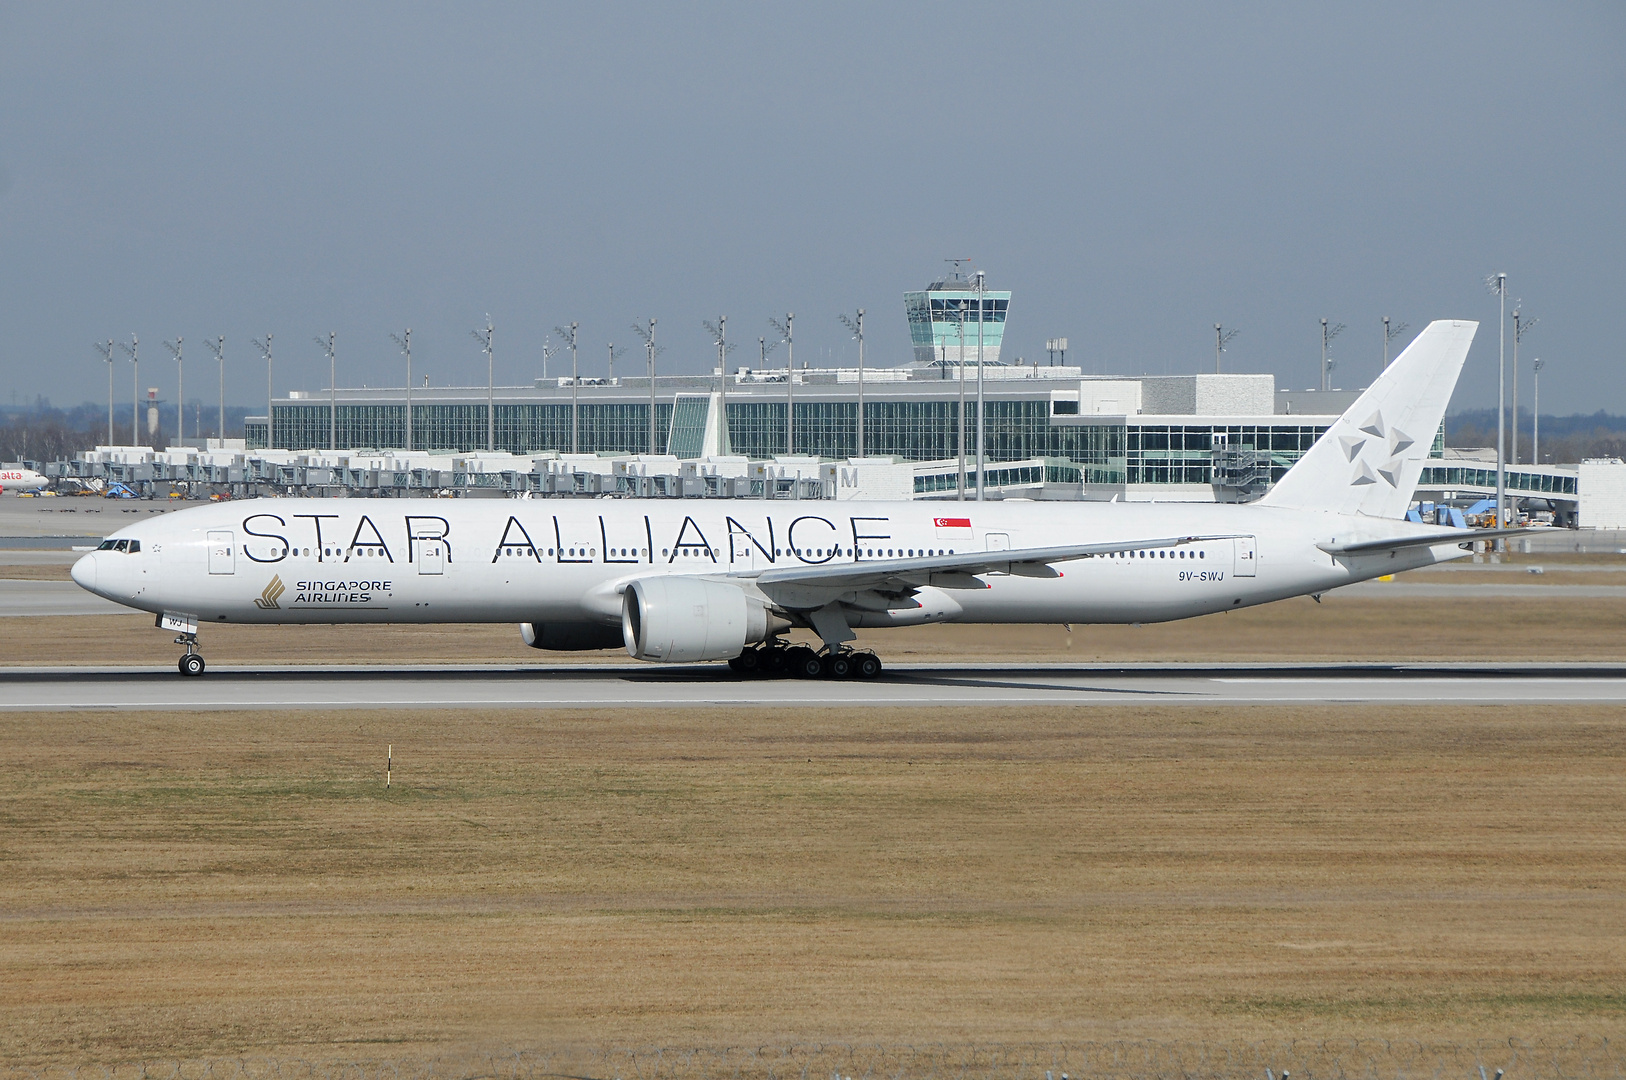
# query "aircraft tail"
(1369, 461)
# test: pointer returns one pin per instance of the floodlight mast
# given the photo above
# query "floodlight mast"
(1497, 283)
(548, 350)
(786, 335)
(1520, 328)
(1389, 334)
(650, 352)
(1535, 435)
(575, 380)
(615, 353)
(857, 327)
(218, 347)
(107, 355)
(719, 335)
(982, 430)
(265, 351)
(332, 390)
(959, 482)
(180, 416)
(1327, 334)
(1221, 339)
(405, 342)
(133, 351)
(484, 337)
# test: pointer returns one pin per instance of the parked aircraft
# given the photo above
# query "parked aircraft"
(21, 480)
(691, 580)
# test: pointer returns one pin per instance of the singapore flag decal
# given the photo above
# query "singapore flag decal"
(953, 528)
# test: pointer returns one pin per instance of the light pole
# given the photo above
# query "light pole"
(180, 415)
(485, 339)
(575, 380)
(265, 351)
(982, 429)
(650, 352)
(133, 351)
(107, 354)
(960, 479)
(218, 347)
(1535, 435)
(332, 391)
(719, 337)
(1327, 334)
(1497, 283)
(857, 327)
(614, 352)
(1519, 330)
(786, 333)
(1221, 337)
(1389, 334)
(405, 342)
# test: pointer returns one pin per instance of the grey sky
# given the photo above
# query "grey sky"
(1133, 173)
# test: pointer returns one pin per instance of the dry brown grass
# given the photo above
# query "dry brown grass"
(1340, 628)
(203, 884)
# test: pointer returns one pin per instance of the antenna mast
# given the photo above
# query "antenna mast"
(1327, 334)
(575, 385)
(785, 334)
(857, 327)
(1221, 339)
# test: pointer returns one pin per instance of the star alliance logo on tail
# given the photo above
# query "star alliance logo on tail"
(268, 599)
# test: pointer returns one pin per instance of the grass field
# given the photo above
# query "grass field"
(196, 885)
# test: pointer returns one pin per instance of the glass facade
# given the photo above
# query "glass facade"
(912, 428)
(1449, 476)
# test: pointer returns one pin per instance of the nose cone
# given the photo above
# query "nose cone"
(84, 572)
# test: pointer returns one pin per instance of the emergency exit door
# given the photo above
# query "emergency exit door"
(431, 556)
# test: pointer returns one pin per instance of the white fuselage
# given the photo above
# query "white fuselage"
(569, 561)
(21, 480)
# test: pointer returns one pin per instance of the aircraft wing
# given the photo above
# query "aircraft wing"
(1450, 536)
(954, 571)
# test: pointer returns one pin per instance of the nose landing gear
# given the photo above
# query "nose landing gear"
(192, 662)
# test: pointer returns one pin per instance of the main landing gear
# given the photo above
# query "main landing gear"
(192, 662)
(776, 658)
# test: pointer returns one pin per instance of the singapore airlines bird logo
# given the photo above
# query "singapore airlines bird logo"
(268, 599)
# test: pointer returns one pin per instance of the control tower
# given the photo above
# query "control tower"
(934, 321)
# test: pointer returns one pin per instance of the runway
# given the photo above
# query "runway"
(712, 685)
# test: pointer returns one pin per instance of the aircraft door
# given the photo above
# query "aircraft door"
(431, 556)
(222, 552)
(1246, 557)
(997, 541)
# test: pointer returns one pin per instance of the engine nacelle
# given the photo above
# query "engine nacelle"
(679, 619)
(570, 636)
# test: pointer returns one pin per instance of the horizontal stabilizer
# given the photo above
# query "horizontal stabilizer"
(1455, 536)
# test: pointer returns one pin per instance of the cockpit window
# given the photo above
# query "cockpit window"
(122, 545)
(135, 546)
(106, 545)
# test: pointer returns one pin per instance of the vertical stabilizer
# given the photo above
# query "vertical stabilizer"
(1369, 461)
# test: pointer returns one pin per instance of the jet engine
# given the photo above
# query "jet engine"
(570, 636)
(678, 619)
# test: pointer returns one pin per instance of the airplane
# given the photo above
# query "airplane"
(22, 479)
(681, 581)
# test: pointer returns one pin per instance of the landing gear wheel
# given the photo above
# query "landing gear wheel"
(771, 659)
(866, 665)
(190, 664)
(805, 663)
(838, 665)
